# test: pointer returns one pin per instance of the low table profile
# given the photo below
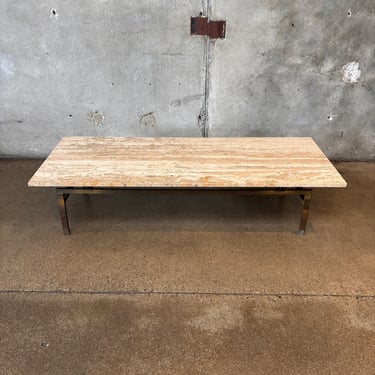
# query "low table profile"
(271, 166)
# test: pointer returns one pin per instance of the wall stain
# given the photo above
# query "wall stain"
(185, 100)
(10, 122)
(173, 54)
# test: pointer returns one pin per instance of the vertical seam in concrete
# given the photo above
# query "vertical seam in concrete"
(206, 86)
(207, 51)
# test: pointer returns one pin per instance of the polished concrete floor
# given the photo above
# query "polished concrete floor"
(158, 284)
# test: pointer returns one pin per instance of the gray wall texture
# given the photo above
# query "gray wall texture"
(131, 68)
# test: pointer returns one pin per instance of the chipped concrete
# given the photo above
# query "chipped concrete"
(148, 120)
(202, 121)
(54, 14)
(351, 72)
(7, 68)
(95, 117)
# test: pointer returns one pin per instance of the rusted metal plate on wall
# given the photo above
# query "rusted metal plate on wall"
(203, 26)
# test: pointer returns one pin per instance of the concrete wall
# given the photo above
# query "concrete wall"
(131, 68)
(96, 67)
(279, 73)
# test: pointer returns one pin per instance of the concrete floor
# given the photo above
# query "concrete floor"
(187, 284)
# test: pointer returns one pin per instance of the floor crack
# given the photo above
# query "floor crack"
(185, 293)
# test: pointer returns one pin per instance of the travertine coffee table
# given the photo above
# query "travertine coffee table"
(95, 165)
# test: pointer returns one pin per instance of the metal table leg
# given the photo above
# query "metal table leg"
(61, 200)
(305, 211)
(305, 195)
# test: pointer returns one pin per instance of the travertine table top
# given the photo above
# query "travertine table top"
(187, 163)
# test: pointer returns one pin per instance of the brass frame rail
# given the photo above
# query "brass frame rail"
(303, 193)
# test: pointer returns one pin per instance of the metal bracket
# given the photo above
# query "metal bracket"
(203, 26)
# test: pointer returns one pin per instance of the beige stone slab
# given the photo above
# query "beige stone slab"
(187, 163)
